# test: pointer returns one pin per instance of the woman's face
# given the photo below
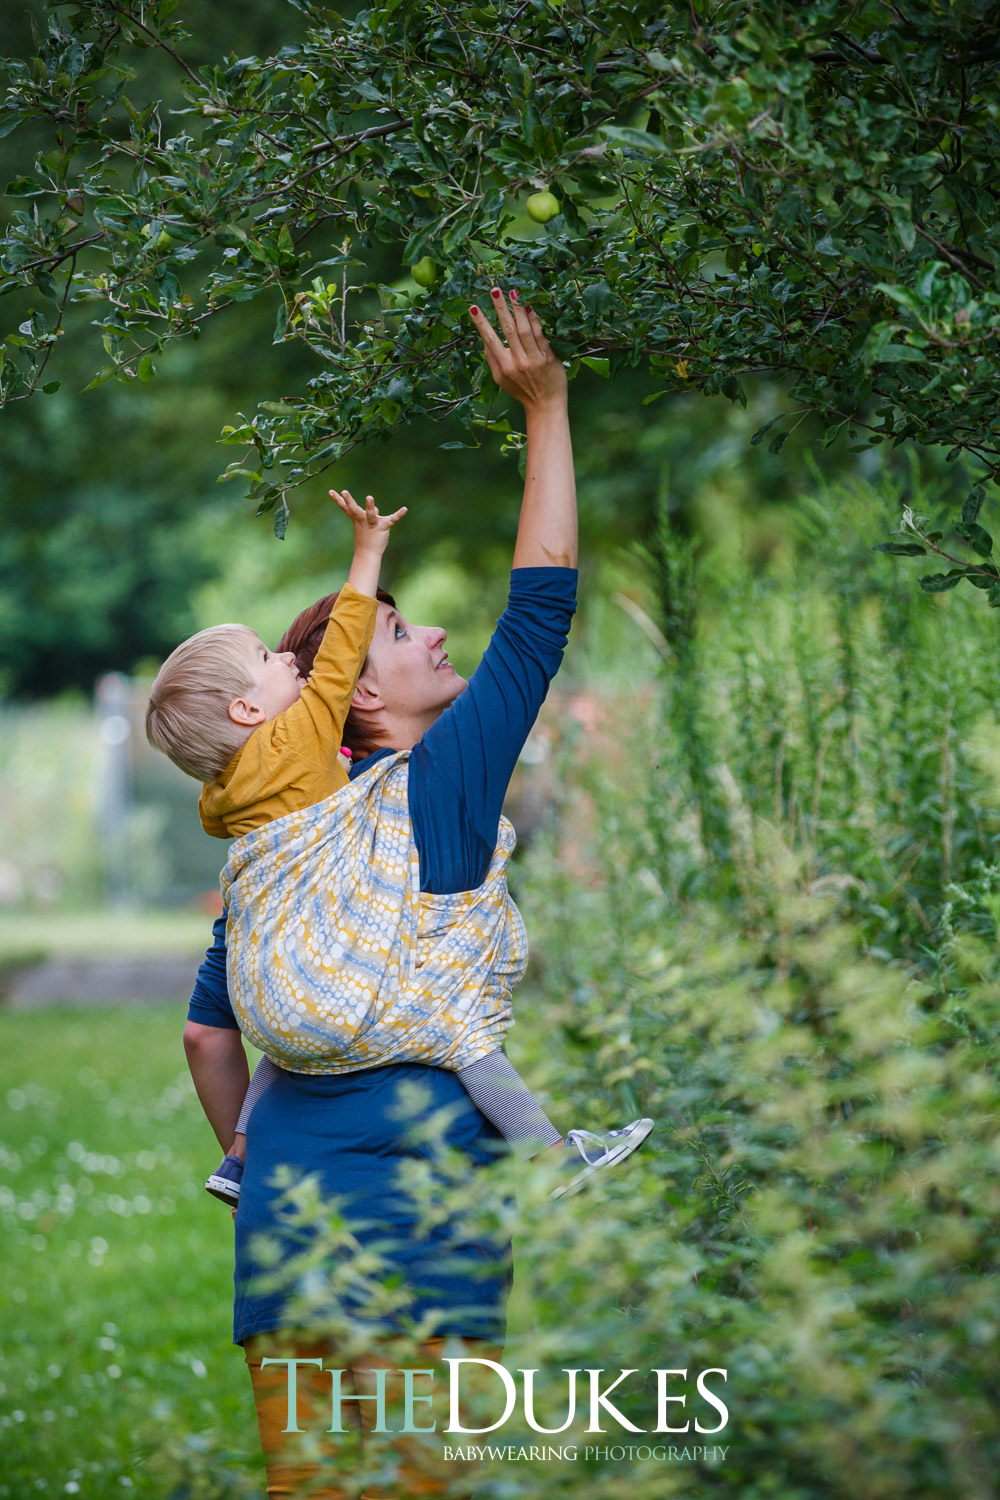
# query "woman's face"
(408, 670)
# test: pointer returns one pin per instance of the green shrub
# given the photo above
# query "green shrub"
(765, 915)
(764, 912)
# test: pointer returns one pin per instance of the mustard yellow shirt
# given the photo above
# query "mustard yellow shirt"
(292, 760)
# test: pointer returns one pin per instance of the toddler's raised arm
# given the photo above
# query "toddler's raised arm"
(318, 717)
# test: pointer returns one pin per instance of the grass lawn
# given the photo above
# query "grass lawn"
(117, 1374)
(103, 933)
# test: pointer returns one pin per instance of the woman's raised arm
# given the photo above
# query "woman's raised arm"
(527, 368)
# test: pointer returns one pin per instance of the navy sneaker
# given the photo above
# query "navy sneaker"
(587, 1153)
(225, 1181)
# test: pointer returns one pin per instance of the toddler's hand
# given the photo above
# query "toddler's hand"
(371, 530)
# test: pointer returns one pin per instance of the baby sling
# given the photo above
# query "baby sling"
(335, 958)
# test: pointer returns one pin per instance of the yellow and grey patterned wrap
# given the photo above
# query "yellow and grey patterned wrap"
(336, 959)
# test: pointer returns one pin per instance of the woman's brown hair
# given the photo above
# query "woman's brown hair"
(305, 635)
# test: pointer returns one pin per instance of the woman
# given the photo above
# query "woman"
(464, 740)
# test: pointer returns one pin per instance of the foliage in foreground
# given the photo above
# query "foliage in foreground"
(766, 914)
(803, 991)
(817, 1214)
(801, 191)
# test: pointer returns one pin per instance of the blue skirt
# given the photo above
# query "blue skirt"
(349, 1132)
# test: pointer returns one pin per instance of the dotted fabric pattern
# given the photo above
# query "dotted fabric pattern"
(335, 958)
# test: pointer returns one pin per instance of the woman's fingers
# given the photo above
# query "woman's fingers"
(538, 332)
(507, 323)
(492, 348)
(523, 324)
(397, 515)
(525, 367)
(491, 344)
(526, 341)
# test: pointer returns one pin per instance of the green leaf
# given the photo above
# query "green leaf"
(50, 387)
(902, 218)
(977, 535)
(900, 295)
(901, 549)
(938, 583)
(101, 376)
(761, 431)
(596, 297)
(144, 369)
(621, 135)
(419, 245)
(897, 354)
(237, 472)
(23, 187)
(732, 388)
(973, 504)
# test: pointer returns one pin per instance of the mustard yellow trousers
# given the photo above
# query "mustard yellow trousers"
(295, 1468)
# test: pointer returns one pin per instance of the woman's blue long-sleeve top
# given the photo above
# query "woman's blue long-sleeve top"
(344, 1127)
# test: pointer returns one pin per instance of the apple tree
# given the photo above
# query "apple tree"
(715, 192)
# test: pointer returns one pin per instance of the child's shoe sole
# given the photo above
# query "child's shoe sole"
(619, 1153)
(223, 1189)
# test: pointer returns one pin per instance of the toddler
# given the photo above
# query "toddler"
(265, 743)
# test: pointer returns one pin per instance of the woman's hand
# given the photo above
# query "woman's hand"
(525, 367)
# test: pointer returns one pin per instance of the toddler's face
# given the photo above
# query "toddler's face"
(277, 681)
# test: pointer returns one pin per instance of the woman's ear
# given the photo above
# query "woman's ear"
(366, 696)
(245, 713)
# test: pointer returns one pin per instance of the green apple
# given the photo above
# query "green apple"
(162, 241)
(425, 272)
(543, 206)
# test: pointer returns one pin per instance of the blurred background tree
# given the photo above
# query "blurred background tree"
(796, 194)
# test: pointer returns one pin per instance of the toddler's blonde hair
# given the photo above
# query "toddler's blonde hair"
(188, 712)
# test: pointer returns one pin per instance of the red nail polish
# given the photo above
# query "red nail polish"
(474, 311)
(496, 294)
(513, 296)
